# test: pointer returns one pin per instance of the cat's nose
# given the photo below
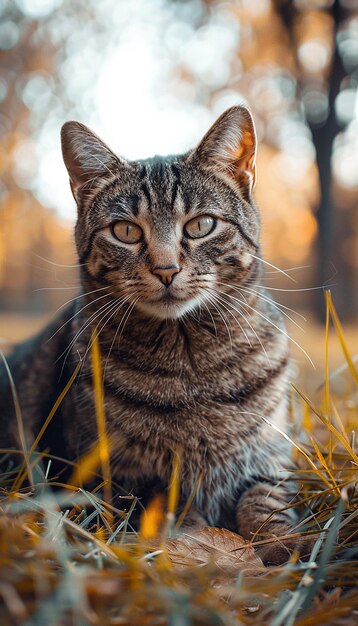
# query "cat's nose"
(166, 274)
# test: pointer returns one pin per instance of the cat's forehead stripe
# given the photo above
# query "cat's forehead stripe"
(145, 191)
(174, 192)
(142, 172)
(161, 187)
(134, 203)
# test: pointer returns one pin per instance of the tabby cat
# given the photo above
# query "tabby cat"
(194, 353)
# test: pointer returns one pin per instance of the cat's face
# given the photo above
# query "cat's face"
(169, 233)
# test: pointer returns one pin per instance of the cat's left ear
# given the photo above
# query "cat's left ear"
(86, 157)
(229, 147)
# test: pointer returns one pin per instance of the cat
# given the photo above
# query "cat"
(194, 353)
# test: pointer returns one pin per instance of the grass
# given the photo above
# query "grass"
(69, 556)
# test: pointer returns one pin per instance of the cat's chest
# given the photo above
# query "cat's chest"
(205, 435)
(154, 409)
(161, 397)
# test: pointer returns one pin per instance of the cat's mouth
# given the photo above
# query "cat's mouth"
(170, 298)
(168, 306)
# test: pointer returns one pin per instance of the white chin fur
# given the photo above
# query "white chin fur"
(168, 311)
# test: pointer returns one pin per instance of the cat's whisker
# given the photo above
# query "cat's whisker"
(84, 326)
(322, 287)
(273, 266)
(109, 314)
(280, 330)
(80, 310)
(251, 326)
(81, 295)
(116, 333)
(223, 317)
(56, 288)
(58, 264)
(126, 316)
(212, 319)
(267, 299)
(274, 275)
(281, 308)
(225, 304)
(278, 305)
(194, 313)
(238, 287)
(296, 268)
(120, 327)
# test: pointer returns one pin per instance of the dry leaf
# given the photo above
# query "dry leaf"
(219, 546)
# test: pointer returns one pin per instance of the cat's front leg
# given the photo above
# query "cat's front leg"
(193, 521)
(262, 513)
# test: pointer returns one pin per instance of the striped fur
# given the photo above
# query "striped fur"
(194, 367)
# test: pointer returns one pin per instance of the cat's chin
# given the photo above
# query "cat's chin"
(165, 310)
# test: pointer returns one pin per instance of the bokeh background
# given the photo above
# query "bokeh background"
(150, 76)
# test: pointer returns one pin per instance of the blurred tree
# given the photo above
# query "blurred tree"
(332, 222)
(30, 84)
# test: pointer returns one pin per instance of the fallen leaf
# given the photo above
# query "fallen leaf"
(218, 546)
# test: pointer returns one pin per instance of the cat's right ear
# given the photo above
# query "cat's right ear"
(229, 147)
(86, 157)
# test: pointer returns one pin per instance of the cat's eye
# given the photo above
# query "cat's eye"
(199, 226)
(127, 232)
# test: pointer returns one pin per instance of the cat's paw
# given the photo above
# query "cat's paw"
(193, 521)
(279, 551)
